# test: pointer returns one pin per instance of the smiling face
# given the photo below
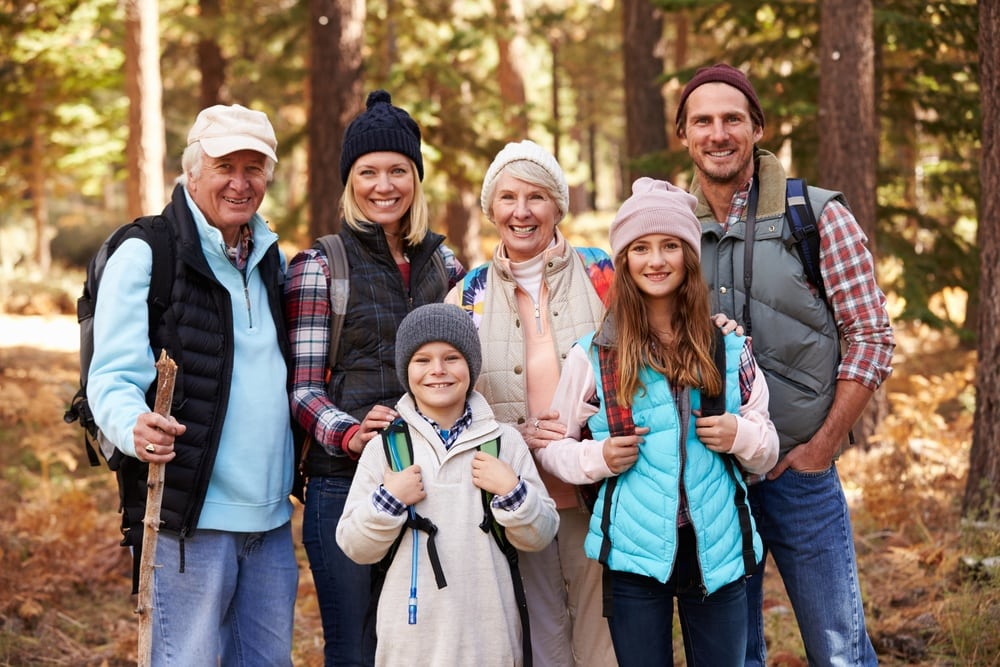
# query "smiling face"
(719, 134)
(229, 189)
(525, 215)
(383, 184)
(656, 265)
(438, 376)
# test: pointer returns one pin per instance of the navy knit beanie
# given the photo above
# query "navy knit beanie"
(435, 322)
(380, 127)
(722, 73)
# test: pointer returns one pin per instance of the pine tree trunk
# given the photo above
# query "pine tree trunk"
(335, 97)
(146, 147)
(211, 64)
(511, 52)
(982, 491)
(848, 146)
(645, 115)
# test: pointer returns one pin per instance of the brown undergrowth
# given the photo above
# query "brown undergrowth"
(64, 582)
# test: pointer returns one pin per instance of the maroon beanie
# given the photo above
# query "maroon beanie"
(722, 73)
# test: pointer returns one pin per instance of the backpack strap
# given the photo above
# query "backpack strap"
(332, 245)
(804, 230)
(712, 406)
(399, 453)
(499, 534)
(619, 423)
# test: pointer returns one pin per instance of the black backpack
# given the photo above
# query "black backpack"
(158, 233)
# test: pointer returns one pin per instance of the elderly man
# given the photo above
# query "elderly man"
(225, 589)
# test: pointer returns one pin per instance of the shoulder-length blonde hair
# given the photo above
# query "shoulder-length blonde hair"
(414, 224)
(686, 363)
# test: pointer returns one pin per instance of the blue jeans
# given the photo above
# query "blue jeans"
(714, 626)
(805, 523)
(342, 586)
(234, 604)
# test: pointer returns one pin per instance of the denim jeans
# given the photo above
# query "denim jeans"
(234, 604)
(714, 626)
(342, 586)
(805, 523)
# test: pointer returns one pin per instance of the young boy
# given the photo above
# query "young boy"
(474, 618)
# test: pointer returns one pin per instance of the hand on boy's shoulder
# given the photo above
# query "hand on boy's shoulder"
(406, 486)
(491, 474)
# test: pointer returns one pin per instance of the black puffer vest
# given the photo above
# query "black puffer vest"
(197, 333)
(366, 374)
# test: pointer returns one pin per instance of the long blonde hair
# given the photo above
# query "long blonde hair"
(686, 363)
(414, 224)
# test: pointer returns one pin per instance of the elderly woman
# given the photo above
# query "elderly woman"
(531, 303)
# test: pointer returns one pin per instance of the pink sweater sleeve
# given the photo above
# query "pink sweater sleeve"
(573, 460)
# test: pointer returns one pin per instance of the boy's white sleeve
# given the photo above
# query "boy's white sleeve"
(123, 367)
(364, 533)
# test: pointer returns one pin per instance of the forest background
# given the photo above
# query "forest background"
(894, 102)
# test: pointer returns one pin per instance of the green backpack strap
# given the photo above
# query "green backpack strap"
(491, 526)
(399, 453)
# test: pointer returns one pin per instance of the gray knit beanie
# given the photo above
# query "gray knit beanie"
(435, 322)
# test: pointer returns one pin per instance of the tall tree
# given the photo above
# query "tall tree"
(848, 144)
(211, 62)
(982, 491)
(510, 51)
(645, 116)
(146, 146)
(336, 38)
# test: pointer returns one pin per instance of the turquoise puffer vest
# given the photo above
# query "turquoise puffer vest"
(643, 528)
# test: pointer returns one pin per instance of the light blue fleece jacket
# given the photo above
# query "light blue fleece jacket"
(252, 476)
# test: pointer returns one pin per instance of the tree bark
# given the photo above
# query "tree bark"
(146, 146)
(211, 63)
(39, 196)
(166, 374)
(848, 145)
(510, 47)
(335, 94)
(982, 491)
(645, 114)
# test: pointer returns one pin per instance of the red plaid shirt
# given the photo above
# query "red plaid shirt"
(858, 304)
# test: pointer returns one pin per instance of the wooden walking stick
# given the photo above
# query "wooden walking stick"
(166, 374)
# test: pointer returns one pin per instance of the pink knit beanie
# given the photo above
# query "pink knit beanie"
(656, 207)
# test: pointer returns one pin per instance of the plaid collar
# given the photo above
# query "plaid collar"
(449, 436)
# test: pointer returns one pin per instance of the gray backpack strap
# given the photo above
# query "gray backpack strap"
(333, 247)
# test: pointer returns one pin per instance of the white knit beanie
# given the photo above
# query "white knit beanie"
(656, 207)
(532, 152)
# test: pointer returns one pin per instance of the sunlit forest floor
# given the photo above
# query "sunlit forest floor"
(64, 581)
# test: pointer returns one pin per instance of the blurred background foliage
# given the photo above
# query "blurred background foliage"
(64, 112)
